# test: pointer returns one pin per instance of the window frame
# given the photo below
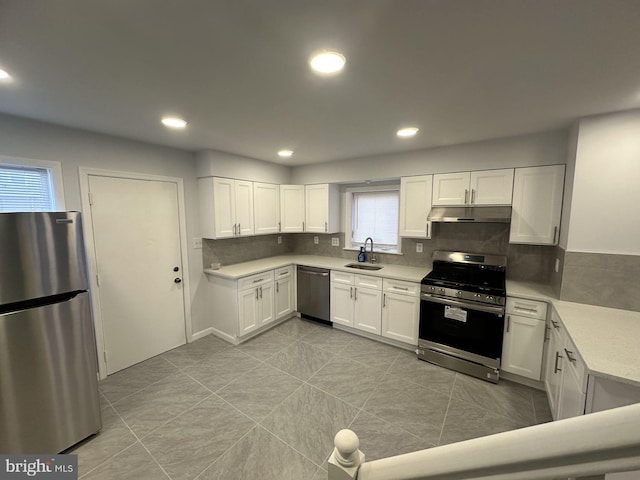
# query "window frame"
(55, 173)
(348, 209)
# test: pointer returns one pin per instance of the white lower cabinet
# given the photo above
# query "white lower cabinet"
(400, 311)
(256, 307)
(244, 307)
(356, 301)
(523, 341)
(565, 375)
(284, 303)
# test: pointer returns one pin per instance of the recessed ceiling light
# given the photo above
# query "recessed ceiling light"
(285, 153)
(4, 75)
(327, 62)
(174, 122)
(407, 132)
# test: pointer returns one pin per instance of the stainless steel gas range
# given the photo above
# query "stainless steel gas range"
(462, 313)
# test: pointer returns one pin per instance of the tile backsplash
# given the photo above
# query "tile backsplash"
(524, 262)
(601, 279)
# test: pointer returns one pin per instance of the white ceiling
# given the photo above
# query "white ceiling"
(461, 70)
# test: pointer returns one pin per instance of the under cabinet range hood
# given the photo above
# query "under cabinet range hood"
(500, 214)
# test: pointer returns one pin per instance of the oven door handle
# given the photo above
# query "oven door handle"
(457, 303)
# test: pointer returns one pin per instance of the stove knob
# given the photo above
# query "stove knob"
(459, 293)
(442, 291)
(477, 295)
(490, 298)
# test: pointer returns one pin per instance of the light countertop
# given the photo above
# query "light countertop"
(396, 272)
(607, 339)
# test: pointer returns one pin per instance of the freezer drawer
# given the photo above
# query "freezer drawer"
(48, 382)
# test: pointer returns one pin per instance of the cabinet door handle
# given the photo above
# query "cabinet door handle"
(466, 195)
(260, 292)
(326, 227)
(257, 294)
(473, 195)
(277, 287)
(427, 229)
(355, 295)
(523, 309)
(555, 231)
(570, 356)
(350, 292)
(555, 324)
(546, 330)
(508, 322)
(384, 300)
(239, 230)
(279, 226)
(257, 280)
(555, 367)
(395, 287)
(303, 226)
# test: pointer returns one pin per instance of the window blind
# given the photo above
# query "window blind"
(375, 215)
(26, 189)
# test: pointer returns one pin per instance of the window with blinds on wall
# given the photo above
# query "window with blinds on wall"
(375, 214)
(26, 189)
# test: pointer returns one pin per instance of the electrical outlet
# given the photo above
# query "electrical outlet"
(315, 240)
(419, 248)
(279, 239)
(335, 242)
(197, 242)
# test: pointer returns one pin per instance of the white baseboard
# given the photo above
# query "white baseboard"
(201, 334)
(225, 336)
(377, 338)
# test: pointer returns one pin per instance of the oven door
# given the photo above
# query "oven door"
(465, 329)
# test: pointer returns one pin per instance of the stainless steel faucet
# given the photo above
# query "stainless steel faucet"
(372, 258)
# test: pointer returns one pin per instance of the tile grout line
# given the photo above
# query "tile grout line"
(444, 420)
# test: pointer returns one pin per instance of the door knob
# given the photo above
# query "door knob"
(175, 269)
(177, 280)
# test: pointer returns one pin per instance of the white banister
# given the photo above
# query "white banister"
(346, 458)
(593, 444)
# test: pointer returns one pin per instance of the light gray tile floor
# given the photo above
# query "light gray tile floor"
(270, 407)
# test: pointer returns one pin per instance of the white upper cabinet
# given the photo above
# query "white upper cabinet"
(451, 188)
(491, 187)
(226, 207)
(322, 208)
(266, 201)
(537, 205)
(292, 208)
(415, 205)
(484, 187)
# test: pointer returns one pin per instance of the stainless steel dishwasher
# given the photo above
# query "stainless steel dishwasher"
(314, 293)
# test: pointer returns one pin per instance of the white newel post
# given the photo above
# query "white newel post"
(346, 459)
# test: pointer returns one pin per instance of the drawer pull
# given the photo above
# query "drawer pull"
(283, 273)
(523, 309)
(400, 288)
(258, 280)
(508, 322)
(384, 300)
(570, 356)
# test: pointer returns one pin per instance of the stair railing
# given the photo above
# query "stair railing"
(594, 444)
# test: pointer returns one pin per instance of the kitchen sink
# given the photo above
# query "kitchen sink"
(361, 266)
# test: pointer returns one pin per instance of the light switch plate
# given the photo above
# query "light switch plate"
(419, 248)
(197, 243)
(315, 240)
(335, 242)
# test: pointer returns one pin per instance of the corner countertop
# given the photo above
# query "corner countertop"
(607, 339)
(239, 270)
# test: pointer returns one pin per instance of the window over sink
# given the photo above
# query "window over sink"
(373, 211)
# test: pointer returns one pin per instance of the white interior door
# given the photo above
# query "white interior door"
(137, 246)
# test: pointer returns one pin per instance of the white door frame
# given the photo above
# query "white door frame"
(83, 174)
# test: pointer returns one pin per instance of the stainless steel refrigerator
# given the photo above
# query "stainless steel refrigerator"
(48, 364)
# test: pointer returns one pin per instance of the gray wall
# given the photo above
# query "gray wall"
(546, 148)
(29, 139)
